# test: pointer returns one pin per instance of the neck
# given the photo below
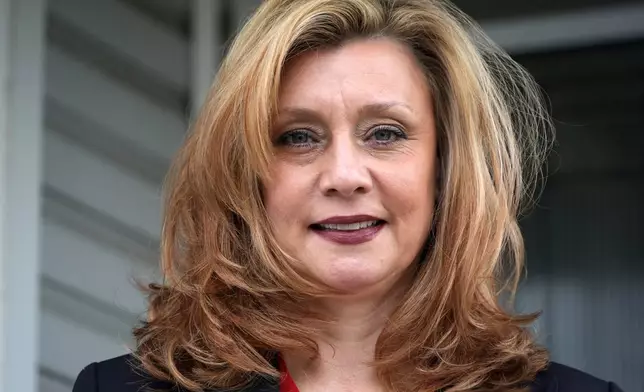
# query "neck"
(347, 342)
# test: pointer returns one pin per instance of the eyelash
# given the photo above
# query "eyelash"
(397, 132)
(283, 139)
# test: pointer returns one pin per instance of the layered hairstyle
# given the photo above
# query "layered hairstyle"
(231, 298)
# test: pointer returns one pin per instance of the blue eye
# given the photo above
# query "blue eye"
(386, 134)
(297, 138)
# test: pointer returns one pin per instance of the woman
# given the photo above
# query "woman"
(337, 219)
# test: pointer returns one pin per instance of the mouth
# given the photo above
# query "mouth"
(347, 226)
(349, 230)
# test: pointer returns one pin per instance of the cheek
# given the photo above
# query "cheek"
(416, 203)
(284, 197)
(415, 216)
(411, 192)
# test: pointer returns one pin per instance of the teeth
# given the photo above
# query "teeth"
(349, 226)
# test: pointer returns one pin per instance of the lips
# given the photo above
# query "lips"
(349, 230)
(348, 226)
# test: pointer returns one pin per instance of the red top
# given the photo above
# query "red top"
(287, 384)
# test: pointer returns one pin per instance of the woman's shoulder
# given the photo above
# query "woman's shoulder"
(561, 378)
(123, 374)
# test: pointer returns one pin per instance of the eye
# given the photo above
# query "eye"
(386, 134)
(297, 138)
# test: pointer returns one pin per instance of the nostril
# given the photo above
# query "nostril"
(331, 191)
(346, 182)
(345, 191)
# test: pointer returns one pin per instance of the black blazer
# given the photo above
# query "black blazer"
(119, 375)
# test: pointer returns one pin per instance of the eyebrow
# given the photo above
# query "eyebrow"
(376, 108)
(299, 113)
(382, 107)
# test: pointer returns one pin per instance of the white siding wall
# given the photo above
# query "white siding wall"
(117, 87)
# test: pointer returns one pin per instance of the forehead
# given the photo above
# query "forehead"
(354, 73)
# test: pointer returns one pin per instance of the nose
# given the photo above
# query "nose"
(344, 172)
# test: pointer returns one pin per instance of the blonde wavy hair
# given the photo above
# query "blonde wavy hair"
(231, 298)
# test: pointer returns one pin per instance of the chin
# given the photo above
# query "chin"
(351, 279)
(352, 285)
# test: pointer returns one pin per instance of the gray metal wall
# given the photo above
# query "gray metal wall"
(586, 237)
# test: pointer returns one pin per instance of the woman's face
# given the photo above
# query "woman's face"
(354, 177)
